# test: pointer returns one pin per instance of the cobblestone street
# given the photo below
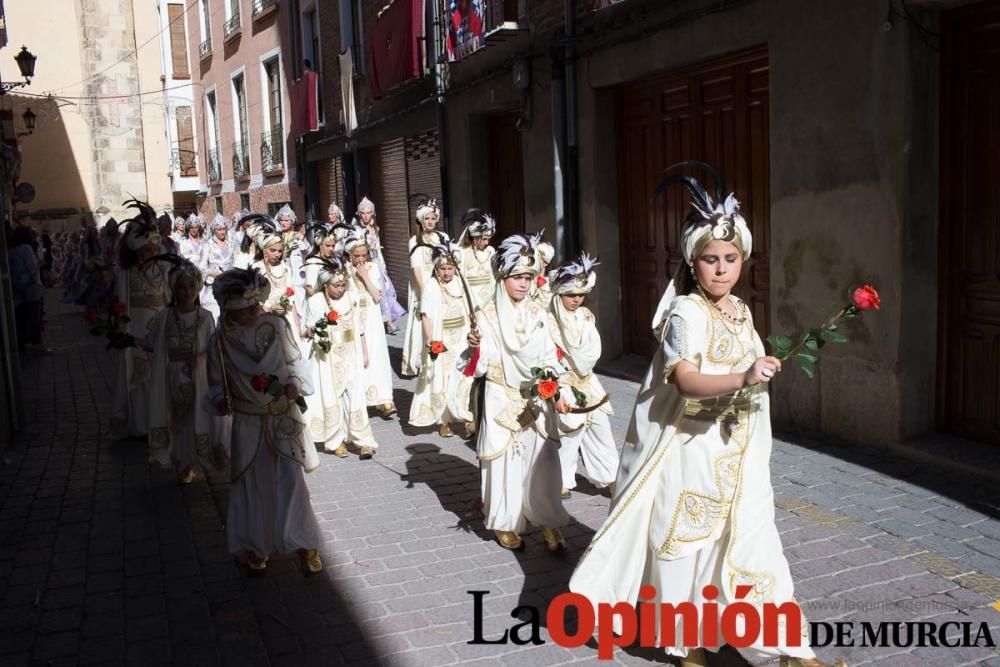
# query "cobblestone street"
(106, 560)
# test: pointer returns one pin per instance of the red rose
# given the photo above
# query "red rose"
(332, 316)
(548, 388)
(866, 298)
(259, 383)
(559, 353)
(437, 347)
(119, 308)
(289, 291)
(90, 315)
(540, 281)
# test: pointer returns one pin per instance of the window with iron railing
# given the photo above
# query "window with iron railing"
(272, 150)
(241, 159)
(232, 24)
(184, 160)
(205, 48)
(261, 6)
(214, 165)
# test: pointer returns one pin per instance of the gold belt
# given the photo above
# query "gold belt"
(718, 409)
(453, 322)
(147, 301)
(478, 280)
(341, 338)
(278, 406)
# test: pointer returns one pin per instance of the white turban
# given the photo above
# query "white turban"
(366, 206)
(516, 255)
(426, 209)
(336, 211)
(355, 238)
(576, 277)
(546, 251)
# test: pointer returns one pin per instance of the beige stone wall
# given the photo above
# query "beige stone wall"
(96, 143)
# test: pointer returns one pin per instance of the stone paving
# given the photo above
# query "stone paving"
(105, 560)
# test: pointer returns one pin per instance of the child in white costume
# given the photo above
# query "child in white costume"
(579, 344)
(694, 504)
(217, 256)
(256, 372)
(476, 255)
(182, 427)
(364, 283)
(516, 446)
(421, 271)
(142, 289)
(337, 413)
(444, 316)
(542, 290)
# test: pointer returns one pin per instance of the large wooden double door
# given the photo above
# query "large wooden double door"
(716, 112)
(969, 307)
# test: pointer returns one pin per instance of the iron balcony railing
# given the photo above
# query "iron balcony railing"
(231, 25)
(272, 150)
(214, 165)
(241, 159)
(183, 160)
(261, 6)
(205, 48)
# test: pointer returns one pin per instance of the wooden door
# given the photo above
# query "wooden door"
(506, 176)
(716, 112)
(969, 358)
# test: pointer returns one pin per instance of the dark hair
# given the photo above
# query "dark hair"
(22, 236)
(307, 63)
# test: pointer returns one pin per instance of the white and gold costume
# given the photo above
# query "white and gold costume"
(693, 504)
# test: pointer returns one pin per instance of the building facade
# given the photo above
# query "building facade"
(242, 78)
(99, 137)
(842, 129)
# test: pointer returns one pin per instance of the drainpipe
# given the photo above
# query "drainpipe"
(434, 55)
(559, 156)
(570, 166)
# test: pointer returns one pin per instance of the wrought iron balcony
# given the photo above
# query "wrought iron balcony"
(214, 166)
(272, 150)
(205, 48)
(263, 7)
(183, 160)
(232, 26)
(241, 160)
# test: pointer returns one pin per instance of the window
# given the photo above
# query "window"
(312, 54)
(185, 142)
(218, 205)
(178, 42)
(244, 201)
(240, 100)
(212, 160)
(272, 75)
(206, 28)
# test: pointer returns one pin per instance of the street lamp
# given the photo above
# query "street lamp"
(25, 60)
(29, 119)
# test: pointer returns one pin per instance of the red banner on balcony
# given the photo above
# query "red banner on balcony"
(304, 96)
(465, 27)
(395, 45)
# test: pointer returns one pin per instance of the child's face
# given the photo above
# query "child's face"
(359, 256)
(336, 289)
(366, 216)
(572, 301)
(286, 224)
(518, 286)
(329, 246)
(273, 253)
(445, 272)
(332, 217)
(718, 267)
(221, 233)
(429, 222)
(195, 232)
(186, 292)
(481, 242)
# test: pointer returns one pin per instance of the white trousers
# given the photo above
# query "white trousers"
(596, 443)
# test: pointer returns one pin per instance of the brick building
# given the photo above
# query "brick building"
(242, 129)
(842, 128)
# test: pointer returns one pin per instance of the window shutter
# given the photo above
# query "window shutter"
(185, 142)
(178, 41)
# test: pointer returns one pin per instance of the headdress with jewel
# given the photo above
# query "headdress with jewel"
(710, 218)
(425, 205)
(263, 230)
(220, 222)
(476, 223)
(444, 254)
(332, 270)
(240, 288)
(575, 277)
(366, 205)
(336, 210)
(356, 237)
(517, 254)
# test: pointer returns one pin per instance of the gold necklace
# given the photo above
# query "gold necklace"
(734, 319)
